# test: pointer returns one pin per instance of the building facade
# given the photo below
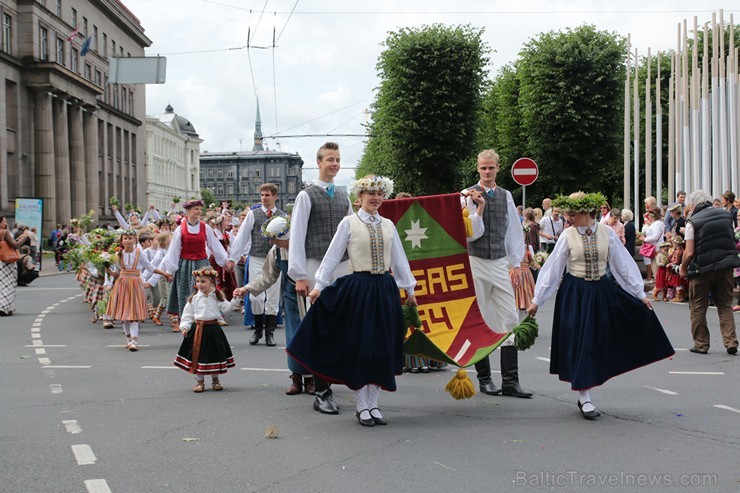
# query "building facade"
(173, 159)
(70, 138)
(237, 176)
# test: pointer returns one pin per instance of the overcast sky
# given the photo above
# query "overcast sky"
(324, 62)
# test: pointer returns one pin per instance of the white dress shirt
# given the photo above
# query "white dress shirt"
(205, 307)
(243, 242)
(622, 266)
(172, 258)
(125, 224)
(297, 268)
(127, 262)
(399, 264)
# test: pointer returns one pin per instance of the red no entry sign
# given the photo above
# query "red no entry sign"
(524, 171)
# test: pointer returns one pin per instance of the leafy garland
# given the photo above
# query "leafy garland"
(585, 202)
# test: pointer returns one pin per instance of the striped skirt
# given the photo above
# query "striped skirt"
(128, 299)
(524, 292)
(183, 284)
(205, 350)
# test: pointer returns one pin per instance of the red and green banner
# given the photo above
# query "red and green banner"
(432, 232)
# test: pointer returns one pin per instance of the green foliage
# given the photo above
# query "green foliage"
(426, 113)
(207, 196)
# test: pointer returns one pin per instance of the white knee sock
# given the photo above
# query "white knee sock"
(126, 328)
(361, 398)
(373, 393)
(585, 399)
(134, 327)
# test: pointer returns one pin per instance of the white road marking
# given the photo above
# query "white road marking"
(36, 324)
(44, 312)
(72, 426)
(69, 366)
(35, 336)
(727, 408)
(83, 454)
(680, 349)
(35, 330)
(40, 344)
(663, 391)
(546, 360)
(264, 369)
(696, 372)
(173, 367)
(37, 342)
(97, 486)
(45, 361)
(40, 351)
(56, 388)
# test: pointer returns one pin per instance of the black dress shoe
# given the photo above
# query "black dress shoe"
(377, 421)
(364, 422)
(732, 350)
(590, 415)
(515, 390)
(489, 388)
(324, 403)
(697, 350)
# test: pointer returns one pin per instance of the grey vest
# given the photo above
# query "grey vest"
(326, 214)
(260, 244)
(491, 245)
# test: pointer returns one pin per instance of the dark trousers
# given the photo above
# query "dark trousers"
(719, 283)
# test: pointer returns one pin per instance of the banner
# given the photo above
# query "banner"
(29, 211)
(433, 236)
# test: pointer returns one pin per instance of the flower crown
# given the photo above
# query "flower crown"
(587, 202)
(372, 183)
(205, 272)
(272, 230)
(129, 232)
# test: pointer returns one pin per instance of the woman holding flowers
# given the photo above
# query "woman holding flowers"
(601, 329)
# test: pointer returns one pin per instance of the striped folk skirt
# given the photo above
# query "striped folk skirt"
(127, 298)
(205, 350)
(183, 284)
(524, 292)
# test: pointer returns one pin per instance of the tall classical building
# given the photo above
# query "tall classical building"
(173, 159)
(237, 176)
(69, 137)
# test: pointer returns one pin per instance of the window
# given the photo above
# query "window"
(95, 38)
(74, 18)
(97, 78)
(220, 190)
(124, 100)
(291, 187)
(131, 101)
(121, 48)
(113, 46)
(220, 174)
(44, 43)
(256, 173)
(105, 45)
(88, 71)
(74, 62)
(7, 33)
(210, 173)
(60, 51)
(229, 189)
(245, 189)
(257, 188)
(59, 7)
(229, 174)
(84, 26)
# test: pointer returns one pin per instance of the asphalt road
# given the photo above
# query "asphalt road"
(81, 413)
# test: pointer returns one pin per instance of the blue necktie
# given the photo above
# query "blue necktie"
(330, 191)
(490, 192)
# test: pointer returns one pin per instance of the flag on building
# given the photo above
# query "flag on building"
(433, 236)
(72, 36)
(85, 46)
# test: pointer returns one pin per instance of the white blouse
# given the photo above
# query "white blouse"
(172, 258)
(399, 264)
(204, 307)
(622, 266)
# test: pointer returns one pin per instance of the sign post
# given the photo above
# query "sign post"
(524, 171)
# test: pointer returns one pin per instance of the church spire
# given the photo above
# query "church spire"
(258, 131)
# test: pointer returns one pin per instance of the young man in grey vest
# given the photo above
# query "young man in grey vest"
(493, 249)
(316, 215)
(249, 239)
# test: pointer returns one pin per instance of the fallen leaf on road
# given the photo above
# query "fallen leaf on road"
(191, 439)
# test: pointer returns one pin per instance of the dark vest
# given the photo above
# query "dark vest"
(495, 215)
(714, 241)
(326, 214)
(260, 244)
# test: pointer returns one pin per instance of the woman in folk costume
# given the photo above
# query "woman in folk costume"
(135, 221)
(205, 349)
(353, 334)
(601, 329)
(127, 301)
(187, 253)
(226, 280)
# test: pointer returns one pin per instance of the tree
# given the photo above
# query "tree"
(426, 112)
(207, 196)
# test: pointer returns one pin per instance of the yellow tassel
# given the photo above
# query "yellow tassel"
(468, 222)
(460, 386)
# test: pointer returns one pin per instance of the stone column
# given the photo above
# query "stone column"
(43, 148)
(92, 178)
(61, 153)
(77, 161)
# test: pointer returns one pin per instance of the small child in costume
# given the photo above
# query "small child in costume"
(205, 349)
(163, 242)
(673, 280)
(127, 299)
(661, 285)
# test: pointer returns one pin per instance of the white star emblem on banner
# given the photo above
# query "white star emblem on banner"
(416, 234)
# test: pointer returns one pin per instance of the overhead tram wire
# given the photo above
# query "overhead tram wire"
(274, 78)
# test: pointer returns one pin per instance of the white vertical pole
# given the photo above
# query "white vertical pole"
(732, 109)
(659, 139)
(695, 125)
(686, 137)
(627, 101)
(706, 154)
(723, 137)
(636, 137)
(648, 131)
(671, 132)
(716, 178)
(524, 197)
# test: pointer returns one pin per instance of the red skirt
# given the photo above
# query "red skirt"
(660, 278)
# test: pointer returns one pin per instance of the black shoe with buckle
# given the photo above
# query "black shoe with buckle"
(378, 420)
(590, 415)
(364, 422)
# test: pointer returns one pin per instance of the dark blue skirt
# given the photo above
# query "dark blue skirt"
(353, 334)
(601, 331)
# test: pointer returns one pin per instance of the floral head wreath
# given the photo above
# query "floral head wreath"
(205, 272)
(586, 202)
(165, 220)
(276, 227)
(129, 232)
(134, 213)
(372, 183)
(192, 203)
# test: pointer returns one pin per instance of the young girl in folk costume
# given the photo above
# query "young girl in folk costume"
(187, 253)
(661, 285)
(226, 280)
(674, 281)
(523, 282)
(353, 334)
(205, 349)
(163, 285)
(601, 328)
(127, 301)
